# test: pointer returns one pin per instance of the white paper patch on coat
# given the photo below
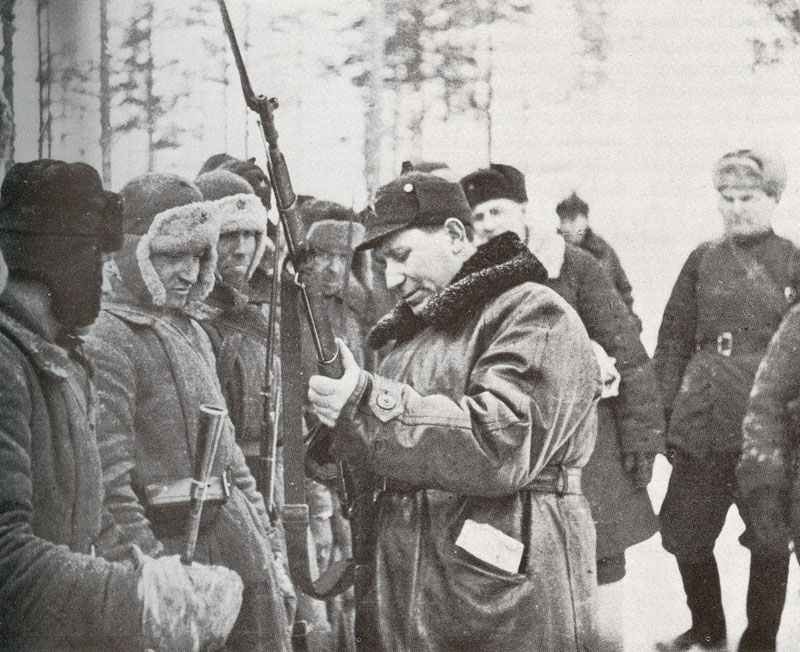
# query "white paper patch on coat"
(490, 545)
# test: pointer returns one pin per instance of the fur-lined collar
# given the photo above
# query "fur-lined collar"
(498, 265)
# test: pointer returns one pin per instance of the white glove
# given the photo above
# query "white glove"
(608, 371)
(187, 607)
(328, 396)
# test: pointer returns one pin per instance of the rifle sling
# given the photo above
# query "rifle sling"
(339, 576)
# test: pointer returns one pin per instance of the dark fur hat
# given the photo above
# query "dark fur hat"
(147, 195)
(498, 181)
(49, 197)
(572, 206)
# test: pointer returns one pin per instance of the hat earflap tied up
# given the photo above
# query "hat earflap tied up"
(188, 229)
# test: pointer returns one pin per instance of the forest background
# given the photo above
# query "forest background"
(627, 102)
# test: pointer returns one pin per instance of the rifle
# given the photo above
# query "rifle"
(340, 575)
(208, 436)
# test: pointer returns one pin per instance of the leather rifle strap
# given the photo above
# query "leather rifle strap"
(340, 575)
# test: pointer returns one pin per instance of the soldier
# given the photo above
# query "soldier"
(236, 321)
(630, 423)
(573, 216)
(726, 304)
(155, 367)
(767, 479)
(332, 240)
(56, 594)
(478, 423)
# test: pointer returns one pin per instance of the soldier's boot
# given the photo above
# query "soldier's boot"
(704, 598)
(766, 593)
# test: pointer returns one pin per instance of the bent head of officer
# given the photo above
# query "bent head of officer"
(421, 229)
(749, 183)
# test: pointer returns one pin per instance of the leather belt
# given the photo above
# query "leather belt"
(560, 480)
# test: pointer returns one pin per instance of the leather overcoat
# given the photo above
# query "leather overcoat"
(495, 382)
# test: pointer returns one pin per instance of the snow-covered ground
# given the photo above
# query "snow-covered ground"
(654, 605)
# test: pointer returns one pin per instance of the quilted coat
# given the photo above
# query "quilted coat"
(154, 370)
(55, 594)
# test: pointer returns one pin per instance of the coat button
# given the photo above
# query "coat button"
(386, 401)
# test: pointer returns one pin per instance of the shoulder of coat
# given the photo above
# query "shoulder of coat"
(528, 301)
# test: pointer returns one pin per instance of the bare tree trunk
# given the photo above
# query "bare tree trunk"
(489, 97)
(44, 77)
(373, 115)
(105, 95)
(415, 122)
(246, 47)
(149, 84)
(396, 127)
(7, 127)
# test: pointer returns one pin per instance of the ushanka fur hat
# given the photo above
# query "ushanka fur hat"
(188, 229)
(335, 236)
(237, 208)
(243, 212)
(498, 181)
(751, 168)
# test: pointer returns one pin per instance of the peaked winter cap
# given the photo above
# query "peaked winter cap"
(412, 200)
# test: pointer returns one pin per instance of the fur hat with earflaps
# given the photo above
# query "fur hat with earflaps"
(751, 168)
(235, 206)
(186, 229)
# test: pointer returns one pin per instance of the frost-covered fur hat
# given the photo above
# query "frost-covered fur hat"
(191, 228)
(236, 207)
(751, 168)
(243, 212)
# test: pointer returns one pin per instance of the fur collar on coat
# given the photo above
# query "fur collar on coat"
(498, 265)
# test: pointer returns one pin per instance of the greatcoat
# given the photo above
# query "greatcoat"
(604, 253)
(631, 422)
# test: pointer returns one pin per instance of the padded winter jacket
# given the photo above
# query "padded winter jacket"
(55, 594)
